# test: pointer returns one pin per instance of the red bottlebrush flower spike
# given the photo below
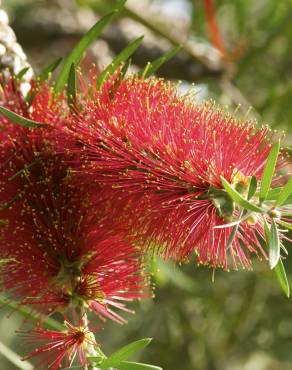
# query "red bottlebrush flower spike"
(162, 158)
(60, 348)
(54, 238)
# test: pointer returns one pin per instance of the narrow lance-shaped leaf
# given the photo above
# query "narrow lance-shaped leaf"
(238, 198)
(252, 187)
(285, 193)
(22, 121)
(49, 69)
(272, 193)
(125, 365)
(120, 4)
(157, 63)
(22, 73)
(119, 79)
(76, 54)
(274, 245)
(120, 58)
(285, 224)
(282, 278)
(71, 87)
(124, 353)
(269, 171)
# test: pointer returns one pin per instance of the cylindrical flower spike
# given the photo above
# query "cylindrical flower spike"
(161, 158)
(58, 248)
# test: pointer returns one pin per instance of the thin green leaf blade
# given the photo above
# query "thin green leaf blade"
(274, 245)
(126, 365)
(124, 353)
(272, 193)
(285, 193)
(238, 198)
(76, 54)
(269, 171)
(157, 63)
(22, 73)
(120, 4)
(282, 278)
(118, 60)
(71, 87)
(16, 118)
(252, 187)
(49, 69)
(285, 224)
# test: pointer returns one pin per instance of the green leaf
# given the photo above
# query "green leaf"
(76, 54)
(238, 198)
(252, 187)
(285, 193)
(22, 73)
(285, 224)
(71, 87)
(120, 4)
(120, 58)
(269, 171)
(274, 245)
(282, 278)
(119, 78)
(267, 232)
(16, 118)
(125, 365)
(272, 193)
(152, 67)
(124, 353)
(49, 69)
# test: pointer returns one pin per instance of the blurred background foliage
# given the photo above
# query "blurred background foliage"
(239, 53)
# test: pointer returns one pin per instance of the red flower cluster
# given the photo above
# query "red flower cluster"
(162, 156)
(132, 165)
(59, 248)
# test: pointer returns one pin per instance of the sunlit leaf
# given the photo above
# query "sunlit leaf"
(274, 245)
(238, 198)
(285, 193)
(118, 60)
(282, 278)
(124, 353)
(272, 193)
(77, 53)
(16, 118)
(269, 171)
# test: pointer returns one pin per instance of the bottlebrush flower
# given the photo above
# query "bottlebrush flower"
(162, 157)
(60, 348)
(58, 248)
